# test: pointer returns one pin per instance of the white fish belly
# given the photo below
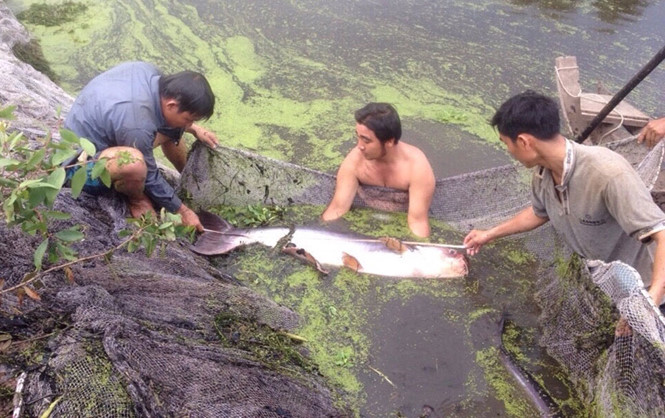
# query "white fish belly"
(375, 258)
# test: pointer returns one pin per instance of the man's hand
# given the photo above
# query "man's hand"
(190, 218)
(622, 329)
(140, 206)
(204, 136)
(653, 132)
(476, 239)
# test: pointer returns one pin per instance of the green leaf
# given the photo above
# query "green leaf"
(61, 156)
(4, 162)
(69, 235)
(36, 197)
(51, 194)
(55, 214)
(14, 138)
(88, 147)
(39, 254)
(27, 183)
(132, 246)
(31, 227)
(39, 184)
(71, 137)
(57, 177)
(166, 225)
(7, 112)
(67, 252)
(78, 181)
(106, 178)
(8, 183)
(98, 168)
(149, 244)
(36, 158)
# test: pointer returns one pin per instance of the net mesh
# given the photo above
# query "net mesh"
(144, 335)
(147, 338)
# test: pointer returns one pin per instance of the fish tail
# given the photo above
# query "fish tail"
(219, 237)
(214, 222)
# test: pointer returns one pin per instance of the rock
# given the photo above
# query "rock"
(35, 96)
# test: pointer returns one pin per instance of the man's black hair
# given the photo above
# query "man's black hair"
(530, 113)
(382, 119)
(192, 92)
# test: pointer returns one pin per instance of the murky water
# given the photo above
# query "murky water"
(288, 76)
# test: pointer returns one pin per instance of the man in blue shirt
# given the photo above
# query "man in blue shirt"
(131, 109)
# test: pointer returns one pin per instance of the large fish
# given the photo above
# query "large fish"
(327, 249)
(546, 406)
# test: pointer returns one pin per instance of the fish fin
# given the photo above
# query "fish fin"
(305, 256)
(351, 262)
(213, 222)
(211, 243)
(394, 244)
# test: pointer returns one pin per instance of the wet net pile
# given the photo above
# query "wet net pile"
(161, 336)
(616, 373)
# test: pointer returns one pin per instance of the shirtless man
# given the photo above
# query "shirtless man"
(379, 159)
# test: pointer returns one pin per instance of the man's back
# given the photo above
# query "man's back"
(117, 104)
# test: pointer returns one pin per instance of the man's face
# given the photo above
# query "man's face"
(517, 150)
(176, 119)
(368, 143)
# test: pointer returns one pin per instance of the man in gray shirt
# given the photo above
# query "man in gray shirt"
(593, 197)
(131, 109)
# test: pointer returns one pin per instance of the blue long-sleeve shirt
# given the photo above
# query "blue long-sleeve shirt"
(121, 107)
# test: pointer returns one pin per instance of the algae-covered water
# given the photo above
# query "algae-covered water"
(289, 74)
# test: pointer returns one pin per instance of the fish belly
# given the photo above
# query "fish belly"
(373, 257)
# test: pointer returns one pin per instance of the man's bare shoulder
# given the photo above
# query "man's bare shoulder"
(353, 160)
(416, 157)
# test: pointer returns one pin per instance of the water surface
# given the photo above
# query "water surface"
(289, 74)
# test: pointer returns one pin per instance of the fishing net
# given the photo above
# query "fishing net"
(620, 375)
(161, 336)
(172, 336)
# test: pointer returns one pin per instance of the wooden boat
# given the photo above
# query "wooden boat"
(618, 129)
(580, 107)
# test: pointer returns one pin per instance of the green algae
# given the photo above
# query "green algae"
(504, 387)
(267, 102)
(32, 53)
(338, 308)
(274, 349)
(52, 14)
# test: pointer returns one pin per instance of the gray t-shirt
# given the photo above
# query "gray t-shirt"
(121, 107)
(605, 211)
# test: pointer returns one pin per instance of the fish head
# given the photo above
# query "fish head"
(455, 261)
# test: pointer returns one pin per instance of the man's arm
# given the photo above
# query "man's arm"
(657, 289)
(203, 135)
(345, 190)
(524, 221)
(421, 190)
(653, 132)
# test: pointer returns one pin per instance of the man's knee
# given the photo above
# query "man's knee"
(125, 163)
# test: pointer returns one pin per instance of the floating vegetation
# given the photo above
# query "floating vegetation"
(52, 14)
(32, 53)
